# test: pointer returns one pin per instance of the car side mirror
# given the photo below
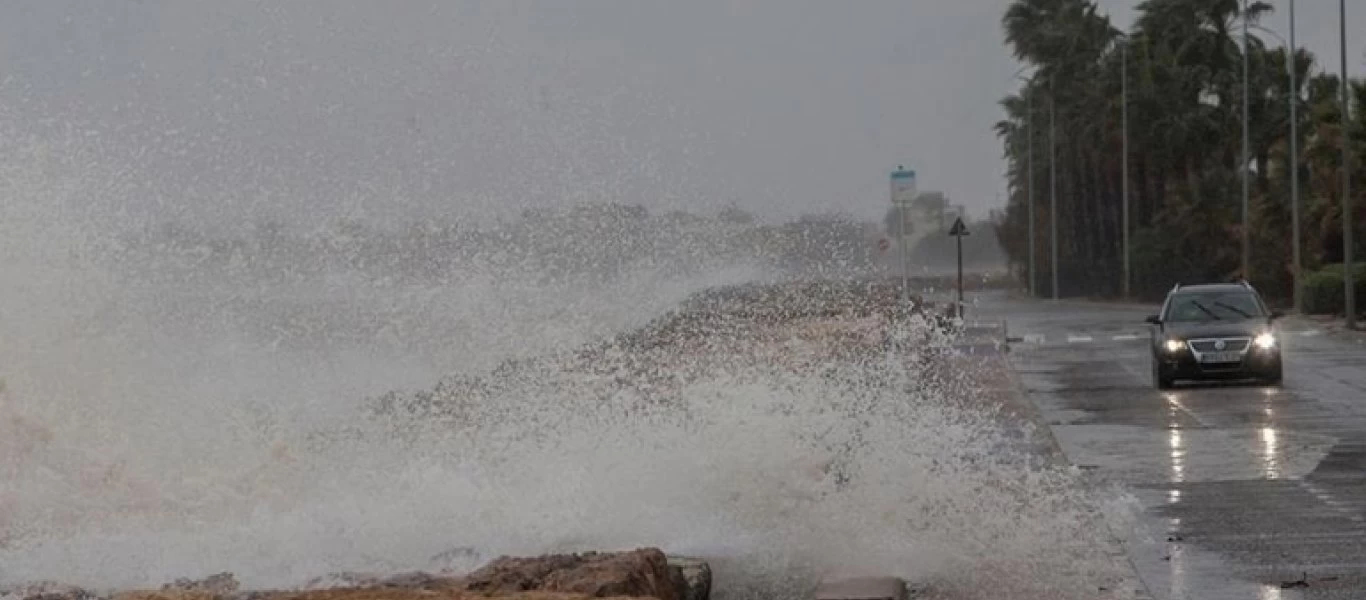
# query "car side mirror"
(1153, 320)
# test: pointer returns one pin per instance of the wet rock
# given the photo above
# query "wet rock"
(47, 590)
(1302, 582)
(455, 560)
(639, 573)
(863, 588)
(457, 553)
(644, 574)
(415, 580)
(720, 330)
(342, 580)
(169, 594)
(691, 578)
(418, 580)
(405, 594)
(221, 583)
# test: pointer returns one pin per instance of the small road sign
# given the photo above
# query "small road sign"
(958, 231)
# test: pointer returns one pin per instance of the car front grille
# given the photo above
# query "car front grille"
(1230, 345)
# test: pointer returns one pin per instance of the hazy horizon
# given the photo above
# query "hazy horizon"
(315, 110)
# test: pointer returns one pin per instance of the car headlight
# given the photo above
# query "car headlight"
(1265, 341)
(1173, 346)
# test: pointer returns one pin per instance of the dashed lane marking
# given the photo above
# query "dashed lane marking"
(1076, 338)
(1081, 338)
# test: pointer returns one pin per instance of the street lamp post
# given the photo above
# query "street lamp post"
(1124, 161)
(1247, 243)
(1297, 268)
(1347, 279)
(1298, 277)
(1029, 131)
(1053, 184)
(1029, 165)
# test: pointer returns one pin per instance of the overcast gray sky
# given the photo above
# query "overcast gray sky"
(312, 109)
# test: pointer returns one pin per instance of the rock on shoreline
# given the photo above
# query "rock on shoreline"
(645, 573)
(720, 330)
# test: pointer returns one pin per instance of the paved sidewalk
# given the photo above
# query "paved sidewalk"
(1330, 325)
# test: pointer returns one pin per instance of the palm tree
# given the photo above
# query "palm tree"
(1186, 87)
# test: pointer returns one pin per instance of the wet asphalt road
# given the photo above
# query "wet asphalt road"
(1247, 491)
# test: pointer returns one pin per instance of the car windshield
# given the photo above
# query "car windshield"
(1214, 306)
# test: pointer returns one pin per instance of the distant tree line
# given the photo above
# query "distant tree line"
(935, 250)
(1185, 86)
(981, 249)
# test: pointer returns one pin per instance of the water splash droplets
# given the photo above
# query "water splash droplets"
(181, 403)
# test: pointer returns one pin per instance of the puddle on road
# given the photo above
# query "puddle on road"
(1346, 459)
(1244, 486)
(1263, 524)
(1143, 455)
(1180, 571)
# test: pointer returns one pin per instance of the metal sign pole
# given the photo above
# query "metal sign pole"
(903, 192)
(1348, 251)
(958, 231)
(905, 262)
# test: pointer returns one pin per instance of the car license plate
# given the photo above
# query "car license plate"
(1221, 357)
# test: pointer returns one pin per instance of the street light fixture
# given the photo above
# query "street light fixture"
(1348, 281)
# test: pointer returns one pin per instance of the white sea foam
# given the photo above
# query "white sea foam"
(156, 429)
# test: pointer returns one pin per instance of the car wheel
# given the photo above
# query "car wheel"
(1161, 380)
(1275, 376)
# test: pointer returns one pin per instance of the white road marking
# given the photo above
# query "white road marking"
(1328, 499)
(1077, 338)
(1311, 332)
(983, 324)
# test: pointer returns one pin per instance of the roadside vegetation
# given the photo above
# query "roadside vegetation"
(1185, 85)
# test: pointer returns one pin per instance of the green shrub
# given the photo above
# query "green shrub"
(1323, 290)
(1323, 293)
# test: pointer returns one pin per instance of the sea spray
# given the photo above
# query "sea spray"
(165, 427)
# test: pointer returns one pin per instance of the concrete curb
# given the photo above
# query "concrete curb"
(1332, 326)
(862, 588)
